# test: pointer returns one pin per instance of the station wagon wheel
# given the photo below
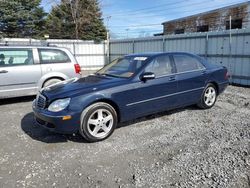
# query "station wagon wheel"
(209, 97)
(98, 122)
(51, 82)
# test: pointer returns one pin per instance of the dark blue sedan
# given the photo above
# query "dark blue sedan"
(129, 87)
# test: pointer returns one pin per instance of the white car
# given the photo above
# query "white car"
(26, 69)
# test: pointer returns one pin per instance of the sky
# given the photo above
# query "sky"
(139, 18)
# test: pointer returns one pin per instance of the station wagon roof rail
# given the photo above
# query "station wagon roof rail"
(15, 43)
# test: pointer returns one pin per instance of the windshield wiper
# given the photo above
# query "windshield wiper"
(106, 74)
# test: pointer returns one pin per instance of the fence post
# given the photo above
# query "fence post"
(104, 53)
(163, 44)
(74, 49)
(133, 46)
(108, 50)
(206, 47)
(230, 50)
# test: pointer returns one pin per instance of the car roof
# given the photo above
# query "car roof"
(154, 54)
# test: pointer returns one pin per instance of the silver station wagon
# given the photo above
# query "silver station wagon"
(26, 69)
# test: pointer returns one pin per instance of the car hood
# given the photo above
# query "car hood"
(82, 86)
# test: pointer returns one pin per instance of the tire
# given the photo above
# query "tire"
(208, 97)
(98, 122)
(51, 81)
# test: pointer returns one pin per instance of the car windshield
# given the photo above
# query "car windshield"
(123, 67)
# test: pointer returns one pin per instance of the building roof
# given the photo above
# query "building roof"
(208, 12)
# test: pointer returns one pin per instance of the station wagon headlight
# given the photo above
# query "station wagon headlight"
(59, 105)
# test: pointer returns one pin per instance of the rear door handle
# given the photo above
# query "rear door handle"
(3, 71)
(171, 78)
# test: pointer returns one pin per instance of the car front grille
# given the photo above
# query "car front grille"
(40, 101)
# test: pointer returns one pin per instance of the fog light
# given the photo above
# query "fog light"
(66, 117)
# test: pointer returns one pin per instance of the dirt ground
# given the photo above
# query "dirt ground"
(187, 147)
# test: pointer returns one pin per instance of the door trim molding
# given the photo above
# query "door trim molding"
(18, 84)
(19, 89)
(164, 96)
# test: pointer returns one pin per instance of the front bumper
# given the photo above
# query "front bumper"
(54, 121)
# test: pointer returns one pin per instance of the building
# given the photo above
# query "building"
(218, 19)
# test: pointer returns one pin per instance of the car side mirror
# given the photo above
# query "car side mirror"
(147, 76)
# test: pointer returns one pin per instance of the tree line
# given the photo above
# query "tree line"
(70, 19)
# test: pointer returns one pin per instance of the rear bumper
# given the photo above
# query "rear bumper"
(55, 123)
(223, 86)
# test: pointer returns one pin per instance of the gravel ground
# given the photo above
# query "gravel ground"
(187, 147)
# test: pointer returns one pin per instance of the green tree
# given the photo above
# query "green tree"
(59, 23)
(21, 18)
(76, 19)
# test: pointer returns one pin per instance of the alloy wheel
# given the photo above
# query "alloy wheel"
(100, 123)
(210, 96)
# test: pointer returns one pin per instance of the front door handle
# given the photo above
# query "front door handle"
(171, 78)
(3, 71)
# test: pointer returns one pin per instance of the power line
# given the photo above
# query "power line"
(148, 8)
(156, 31)
(146, 25)
(143, 25)
(206, 23)
(158, 24)
(162, 30)
(130, 32)
(211, 7)
(161, 9)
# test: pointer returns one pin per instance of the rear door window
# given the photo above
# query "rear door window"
(185, 63)
(16, 57)
(160, 66)
(53, 56)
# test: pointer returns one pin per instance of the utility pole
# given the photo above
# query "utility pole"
(108, 18)
(127, 31)
(108, 37)
(230, 47)
(230, 26)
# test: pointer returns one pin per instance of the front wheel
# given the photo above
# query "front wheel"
(208, 97)
(98, 122)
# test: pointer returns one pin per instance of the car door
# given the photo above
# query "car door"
(191, 76)
(146, 97)
(19, 72)
(55, 60)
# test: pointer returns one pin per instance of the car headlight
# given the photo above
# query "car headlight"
(59, 105)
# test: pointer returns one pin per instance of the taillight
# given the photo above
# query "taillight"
(227, 75)
(77, 68)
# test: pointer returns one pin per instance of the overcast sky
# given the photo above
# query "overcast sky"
(134, 18)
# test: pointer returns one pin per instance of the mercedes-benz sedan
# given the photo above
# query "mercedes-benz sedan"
(129, 87)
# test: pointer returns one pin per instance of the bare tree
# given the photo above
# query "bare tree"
(74, 5)
(81, 16)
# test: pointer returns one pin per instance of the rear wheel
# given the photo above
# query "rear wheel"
(51, 82)
(209, 97)
(98, 122)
